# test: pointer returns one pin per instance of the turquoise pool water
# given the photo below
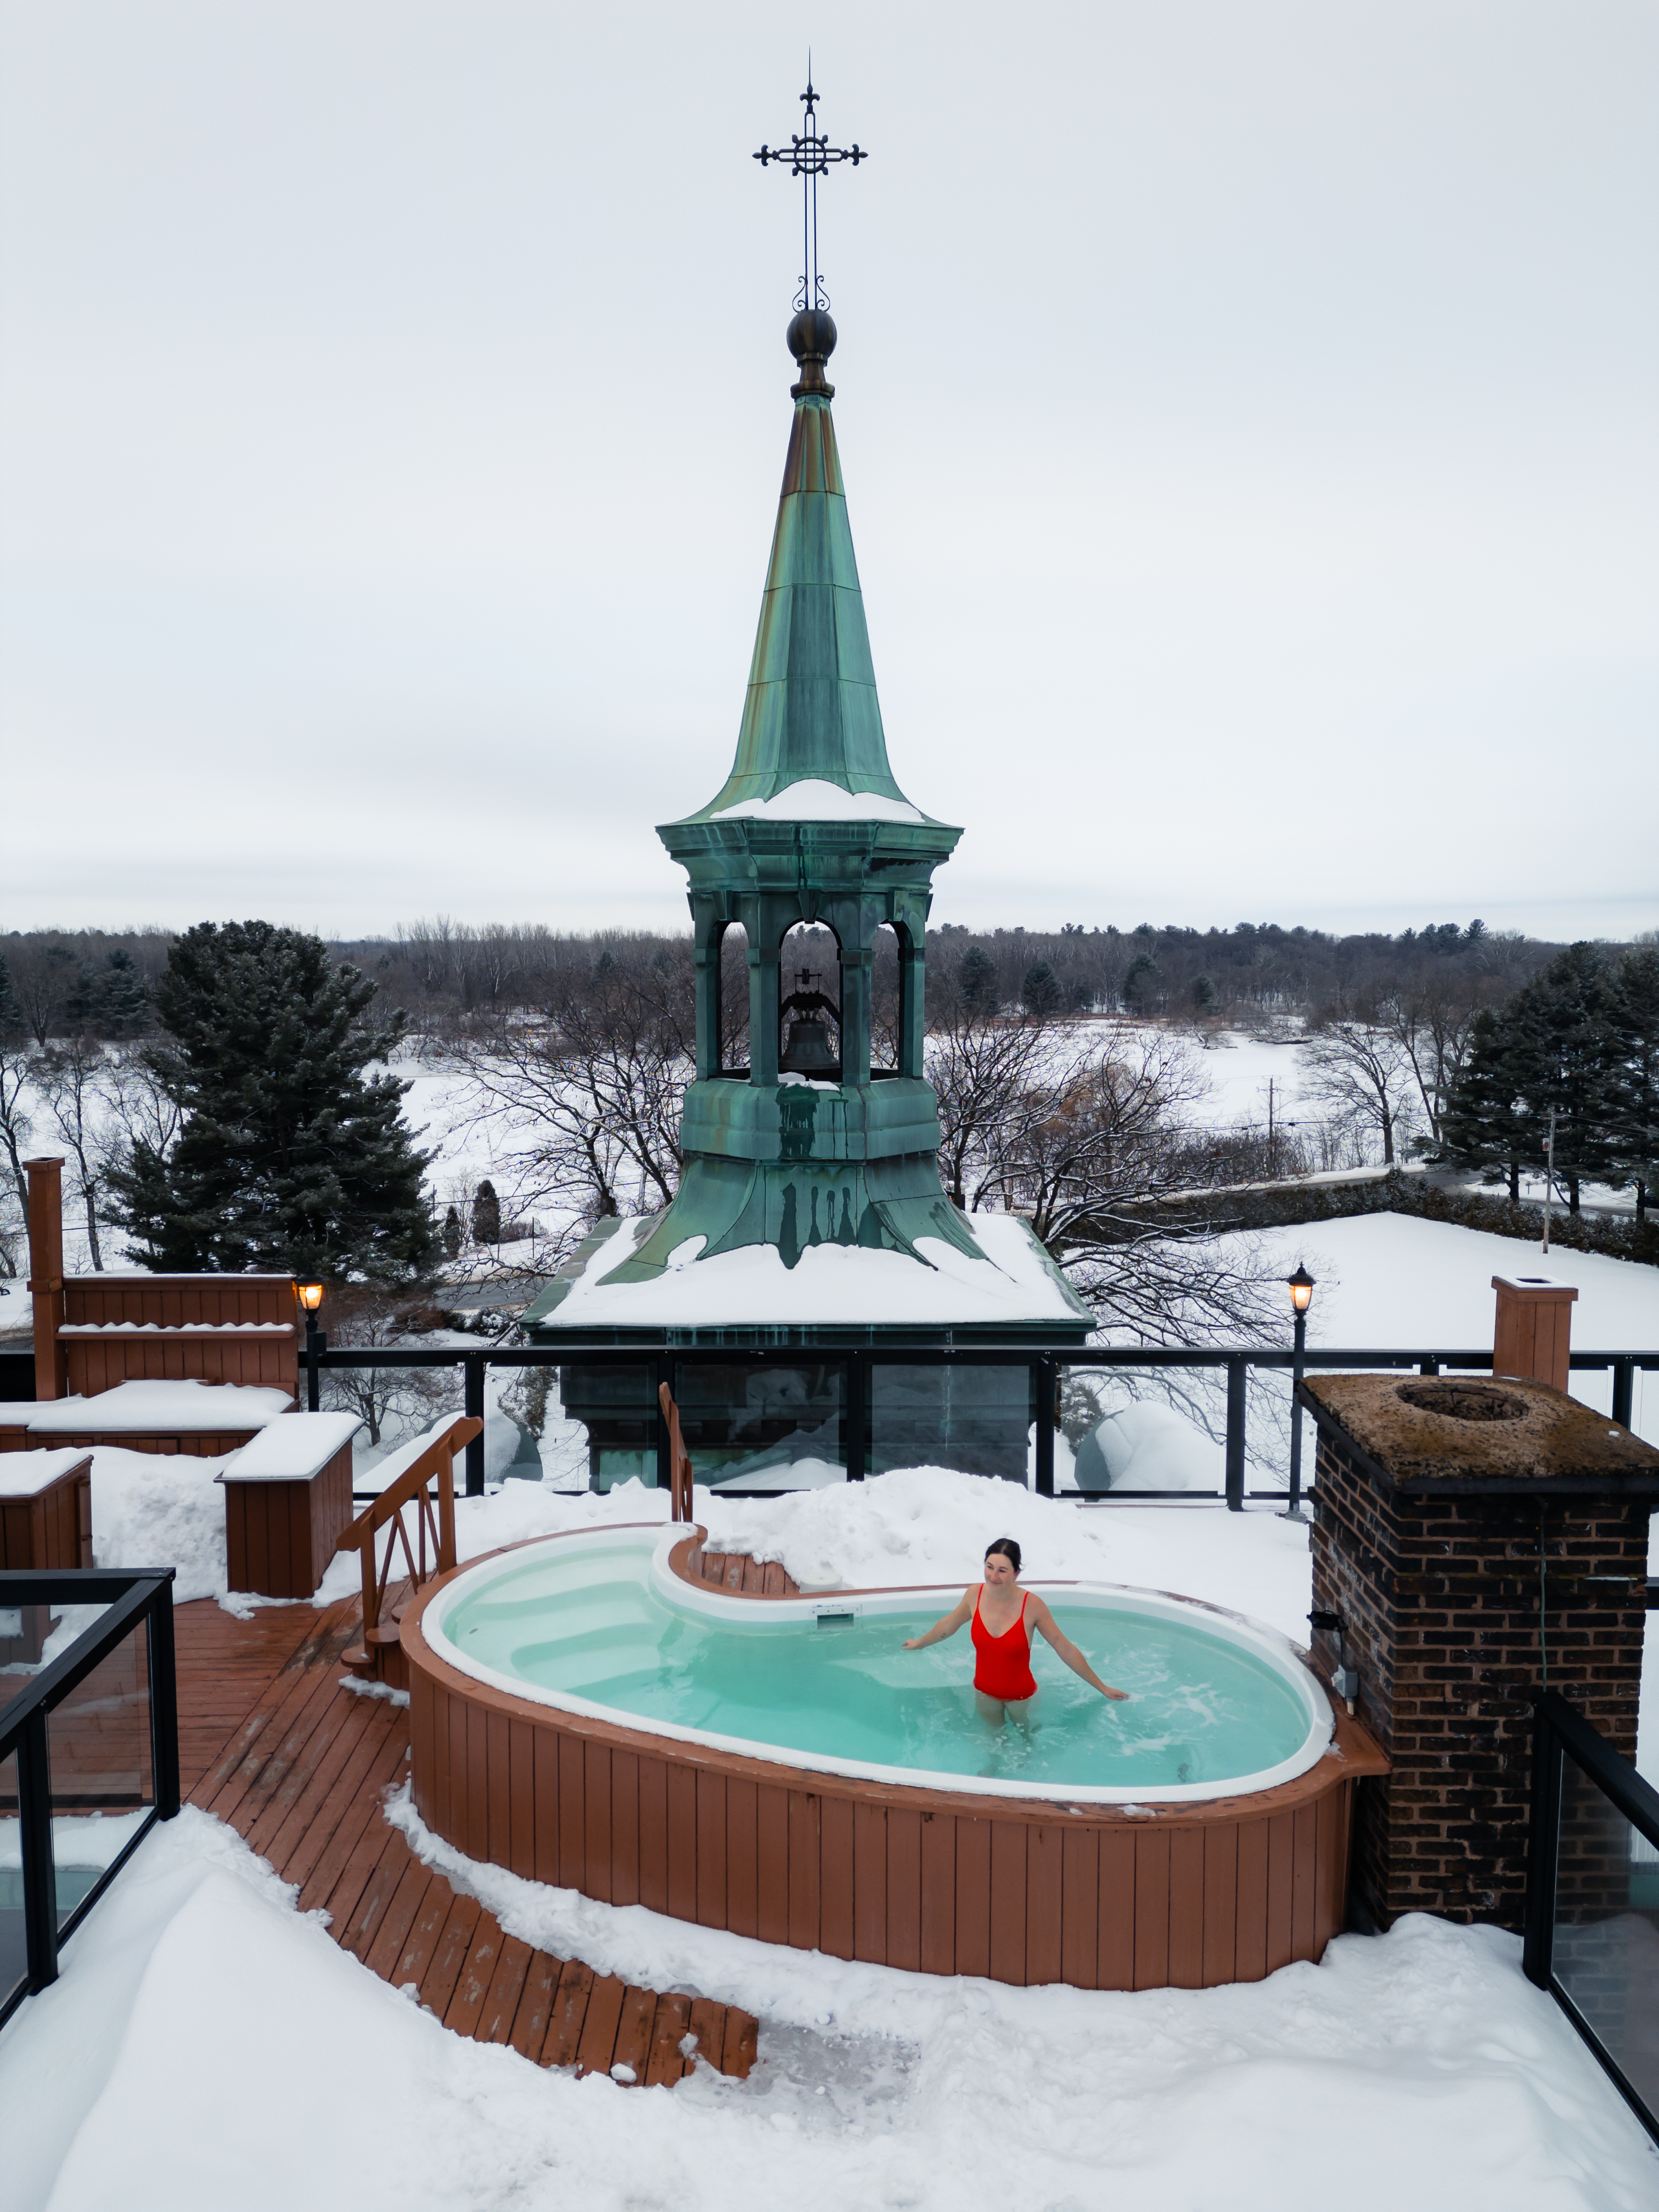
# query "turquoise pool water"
(583, 1620)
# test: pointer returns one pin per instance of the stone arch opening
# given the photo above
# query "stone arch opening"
(809, 1003)
(731, 1000)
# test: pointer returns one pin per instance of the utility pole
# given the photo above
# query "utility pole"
(1549, 1179)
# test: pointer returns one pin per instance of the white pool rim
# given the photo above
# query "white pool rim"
(707, 1603)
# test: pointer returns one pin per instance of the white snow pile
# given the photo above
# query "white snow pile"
(205, 2045)
(161, 1509)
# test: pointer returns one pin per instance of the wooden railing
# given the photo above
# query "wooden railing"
(379, 1657)
(679, 1459)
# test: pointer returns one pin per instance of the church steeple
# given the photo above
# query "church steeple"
(811, 714)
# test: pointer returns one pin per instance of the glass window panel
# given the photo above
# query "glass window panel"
(750, 1428)
(1606, 1929)
(528, 1435)
(14, 1949)
(394, 1404)
(103, 1782)
(976, 1419)
(616, 1407)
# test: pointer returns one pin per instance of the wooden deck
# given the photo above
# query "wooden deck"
(269, 1741)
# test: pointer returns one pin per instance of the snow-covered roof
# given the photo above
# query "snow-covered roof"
(26, 1473)
(140, 1408)
(292, 1449)
(813, 800)
(1014, 1284)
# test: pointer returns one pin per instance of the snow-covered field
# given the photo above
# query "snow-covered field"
(207, 2046)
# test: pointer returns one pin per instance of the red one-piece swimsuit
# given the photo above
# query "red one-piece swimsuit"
(1003, 1665)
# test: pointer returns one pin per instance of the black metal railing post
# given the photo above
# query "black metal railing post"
(164, 1701)
(1624, 1383)
(1236, 1375)
(473, 1406)
(1046, 1382)
(316, 1343)
(39, 1874)
(855, 1417)
(1293, 1511)
(1543, 1844)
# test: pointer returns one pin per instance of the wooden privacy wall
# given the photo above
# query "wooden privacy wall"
(190, 1444)
(171, 1328)
(1185, 1897)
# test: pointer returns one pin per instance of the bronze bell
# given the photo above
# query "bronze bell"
(808, 1052)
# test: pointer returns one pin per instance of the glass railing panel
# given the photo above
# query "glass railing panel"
(1606, 1929)
(748, 1427)
(14, 1948)
(975, 1419)
(616, 1408)
(100, 1758)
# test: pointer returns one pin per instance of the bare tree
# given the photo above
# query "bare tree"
(16, 1123)
(68, 1078)
(1432, 1023)
(584, 1096)
(983, 1069)
(1361, 1071)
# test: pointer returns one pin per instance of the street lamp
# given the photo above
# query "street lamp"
(311, 1297)
(1301, 1288)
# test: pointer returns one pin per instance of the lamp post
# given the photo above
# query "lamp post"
(311, 1297)
(1301, 1288)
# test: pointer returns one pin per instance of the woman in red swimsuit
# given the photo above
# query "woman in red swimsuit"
(1003, 1616)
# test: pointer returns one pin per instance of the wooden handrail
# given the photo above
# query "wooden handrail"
(679, 1459)
(435, 1457)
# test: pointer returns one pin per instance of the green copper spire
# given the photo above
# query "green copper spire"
(811, 713)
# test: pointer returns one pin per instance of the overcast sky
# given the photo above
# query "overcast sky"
(1248, 412)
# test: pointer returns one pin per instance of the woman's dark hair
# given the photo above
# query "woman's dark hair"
(1009, 1549)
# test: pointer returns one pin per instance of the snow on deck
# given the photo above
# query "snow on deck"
(294, 1449)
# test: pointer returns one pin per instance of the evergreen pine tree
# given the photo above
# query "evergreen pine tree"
(289, 1157)
(11, 1013)
(1040, 992)
(976, 980)
(118, 1000)
(1140, 982)
(1563, 1058)
(486, 1215)
(1485, 1125)
(1633, 1017)
(1203, 995)
(454, 1235)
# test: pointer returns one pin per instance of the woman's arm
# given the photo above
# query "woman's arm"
(1068, 1650)
(948, 1626)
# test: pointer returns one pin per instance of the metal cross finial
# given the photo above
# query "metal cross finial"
(811, 157)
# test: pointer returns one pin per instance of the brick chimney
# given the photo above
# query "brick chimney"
(1472, 1537)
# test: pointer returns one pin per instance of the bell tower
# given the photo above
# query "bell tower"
(813, 1141)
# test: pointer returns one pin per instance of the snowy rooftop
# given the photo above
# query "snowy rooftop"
(830, 1284)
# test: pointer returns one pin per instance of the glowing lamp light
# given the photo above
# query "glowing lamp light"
(311, 1296)
(1300, 1286)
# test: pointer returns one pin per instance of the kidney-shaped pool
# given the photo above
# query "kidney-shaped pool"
(599, 1625)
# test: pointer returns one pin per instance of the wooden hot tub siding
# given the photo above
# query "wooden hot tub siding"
(1184, 1897)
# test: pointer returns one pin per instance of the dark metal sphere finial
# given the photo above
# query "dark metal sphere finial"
(811, 338)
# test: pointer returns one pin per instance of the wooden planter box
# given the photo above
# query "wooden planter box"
(46, 1523)
(288, 1501)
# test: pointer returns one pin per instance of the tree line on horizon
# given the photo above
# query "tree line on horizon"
(55, 984)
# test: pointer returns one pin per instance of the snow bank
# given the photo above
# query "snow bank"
(156, 1510)
(142, 1408)
(206, 2046)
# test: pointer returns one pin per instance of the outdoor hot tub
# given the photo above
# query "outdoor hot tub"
(588, 1712)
